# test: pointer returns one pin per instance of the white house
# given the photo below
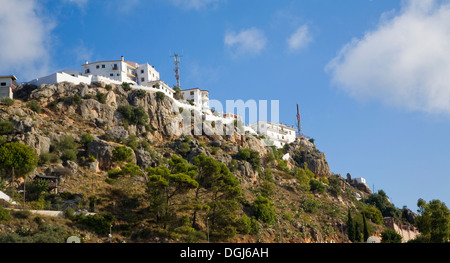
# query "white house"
(121, 70)
(197, 97)
(276, 134)
(7, 85)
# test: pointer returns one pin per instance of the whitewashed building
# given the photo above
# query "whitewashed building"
(276, 134)
(121, 70)
(113, 71)
(197, 97)
(7, 85)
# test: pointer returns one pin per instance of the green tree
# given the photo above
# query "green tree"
(133, 115)
(351, 233)
(381, 201)
(365, 228)
(264, 210)
(166, 183)
(433, 221)
(390, 236)
(122, 154)
(373, 214)
(216, 180)
(17, 158)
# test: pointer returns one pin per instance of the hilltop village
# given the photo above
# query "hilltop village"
(108, 161)
(145, 77)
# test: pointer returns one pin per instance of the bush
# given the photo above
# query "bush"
(390, 236)
(141, 93)
(4, 214)
(99, 224)
(317, 186)
(108, 87)
(69, 155)
(122, 154)
(45, 158)
(34, 106)
(6, 127)
(264, 210)
(86, 139)
(133, 115)
(250, 156)
(72, 100)
(160, 95)
(101, 97)
(310, 205)
(126, 86)
(7, 101)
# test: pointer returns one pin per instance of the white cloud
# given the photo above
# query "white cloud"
(196, 4)
(300, 38)
(24, 47)
(405, 62)
(249, 41)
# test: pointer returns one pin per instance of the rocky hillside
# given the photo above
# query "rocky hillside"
(122, 154)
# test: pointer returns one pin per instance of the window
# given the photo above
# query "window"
(103, 66)
(192, 93)
(111, 75)
(115, 67)
(142, 79)
(3, 84)
(118, 74)
(142, 71)
(98, 66)
(87, 71)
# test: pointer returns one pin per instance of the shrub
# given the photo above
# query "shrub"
(317, 186)
(4, 214)
(86, 139)
(6, 127)
(132, 142)
(160, 95)
(122, 154)
(390, 236)
(264, 210)
(126, 86)
(250, 156)
(34, 106)
(7, 101)
(99, 224)
(108, 87)
(133, 115)
(101, 97)
(69, 155)
(132, 170)
(310, 205)
(48, 158)
(72, 100)
(141, 93)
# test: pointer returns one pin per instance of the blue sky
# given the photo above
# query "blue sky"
(370, 76)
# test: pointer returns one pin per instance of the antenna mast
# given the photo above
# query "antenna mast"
(177, 70)
(299, 122)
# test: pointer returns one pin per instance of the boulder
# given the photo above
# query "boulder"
(102, 151)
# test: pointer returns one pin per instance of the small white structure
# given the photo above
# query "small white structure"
(276, 133)
(360, 180)
(7, 85)
(197, 97)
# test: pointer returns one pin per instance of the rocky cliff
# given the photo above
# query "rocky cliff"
(303, 214)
